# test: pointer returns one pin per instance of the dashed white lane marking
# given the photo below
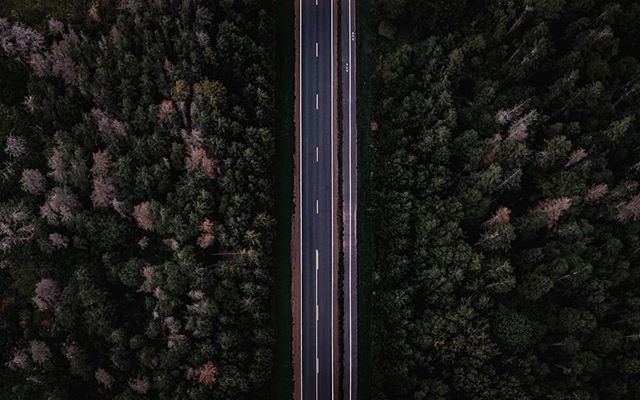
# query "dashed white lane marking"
(317, 207)
(316, 49)
(317, 102)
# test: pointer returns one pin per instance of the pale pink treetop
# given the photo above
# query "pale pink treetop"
(203, 39)
(58, 241)
(503, 116)
(20, 360)
(596, 193)
(193, 308)
(56, 164)
(16, 146)
(198, 160)
(172, 244)
(16, 227)
(490, 157)
(630, 211)
(39, 352)
(143, 242)
(104, 378)
(501, 217)
(61, 58)
(55, 26)
(576, 156)
(207, 238)
(166, 109)
(47, 293)
(119, 207)
(32, 181)
(196, 294)
(93, 13)
(193, 138)
(101, 163)
(148, 273)
(207, 374)
(173, 339)
(103, 193)
(19, 41)
(60, 206)
(140, 385)
(553, 209)
(108, 126)
(519, 129)
(142, 214)
(71, 351)
(40, 64)
(28, 103)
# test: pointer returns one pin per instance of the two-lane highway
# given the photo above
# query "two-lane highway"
(317, 156)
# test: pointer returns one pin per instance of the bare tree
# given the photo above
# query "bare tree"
(16, 227)
(142, 214)
(596, 193)
(46, 293)
(60, 206)
(630, 211)
(576, 156)
(32, 181)
(553, 209)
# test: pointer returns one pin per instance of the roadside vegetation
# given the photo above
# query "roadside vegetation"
(136, 201)
(506, 200)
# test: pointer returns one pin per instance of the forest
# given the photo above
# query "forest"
(136, 199)
(506, 199)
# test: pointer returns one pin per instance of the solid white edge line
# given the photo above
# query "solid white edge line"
(333, 216)
(350, 220)
(317, 356)
(300, 183)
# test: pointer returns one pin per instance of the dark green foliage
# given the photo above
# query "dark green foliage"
(151, 128)
(504, 267)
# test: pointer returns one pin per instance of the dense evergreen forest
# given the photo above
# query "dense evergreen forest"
(136, 199)
(506, 204)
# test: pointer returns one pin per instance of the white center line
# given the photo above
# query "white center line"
(317, 207)
(317, 102)
(317, 154)
(316, 49)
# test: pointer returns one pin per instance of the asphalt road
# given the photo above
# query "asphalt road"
(349, 197)
(317, 230)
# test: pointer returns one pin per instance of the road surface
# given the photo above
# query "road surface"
(349, 197)
(318, 230)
